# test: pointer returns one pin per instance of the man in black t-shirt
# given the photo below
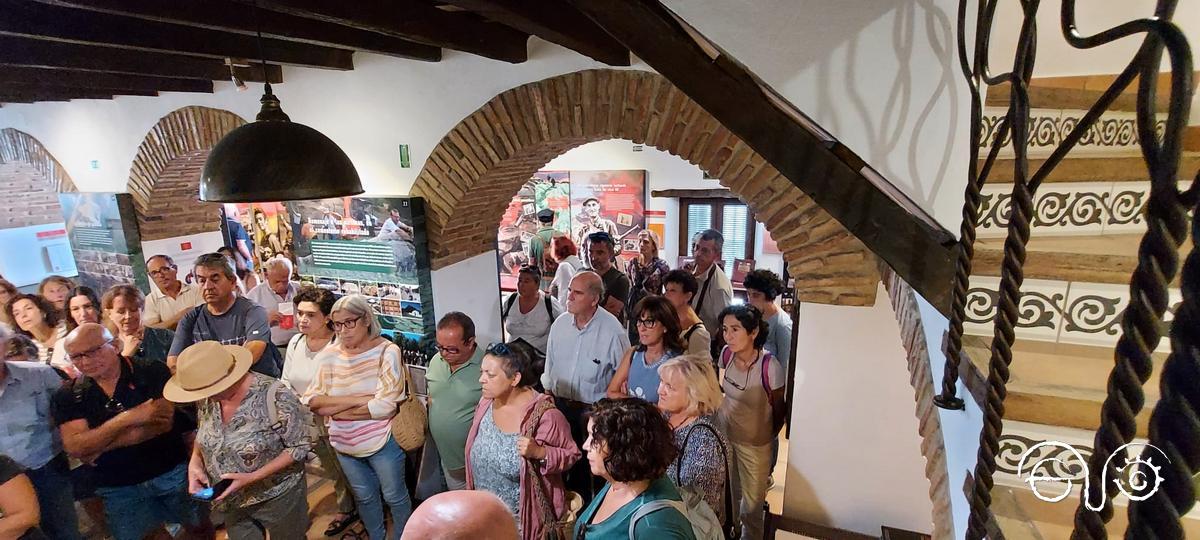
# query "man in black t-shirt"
(115, 417)
(602, 252)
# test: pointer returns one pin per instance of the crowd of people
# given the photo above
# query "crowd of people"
(622, 404)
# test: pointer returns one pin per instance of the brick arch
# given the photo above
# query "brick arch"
(472, 173)
(30, 181)
(165, 177)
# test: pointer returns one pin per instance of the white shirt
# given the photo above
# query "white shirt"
(562, 277)
(533, 327)
(718, 297)
(263, 295)
(580, 362)
(160, 307)
(300, 364)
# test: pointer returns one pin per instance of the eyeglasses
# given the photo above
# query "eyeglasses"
(498, 349)
(740, 387)
(346, 324)
(648, 323)
(85, 354)
(161, 271)
(450, 350)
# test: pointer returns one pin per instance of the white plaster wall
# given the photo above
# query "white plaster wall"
(854, 458)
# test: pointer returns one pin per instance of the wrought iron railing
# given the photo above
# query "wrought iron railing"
(1175, 422)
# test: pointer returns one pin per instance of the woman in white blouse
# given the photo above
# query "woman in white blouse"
(313, 307)
(566, 253)
(529, 312)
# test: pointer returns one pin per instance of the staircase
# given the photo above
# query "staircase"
(1083, 250)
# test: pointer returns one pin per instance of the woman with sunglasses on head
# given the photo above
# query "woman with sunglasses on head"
(753, 409)
(358, 385)
(529, 312)
(659, 340)
(313, 308)
(519, 445)
(646, 272)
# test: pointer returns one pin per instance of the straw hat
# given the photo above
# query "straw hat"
(206, 369)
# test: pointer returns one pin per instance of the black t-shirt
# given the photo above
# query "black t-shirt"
(141, 381)
(616, 285)
(10, 469)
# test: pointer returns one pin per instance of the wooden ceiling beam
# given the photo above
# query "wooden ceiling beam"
(417, 21)
(15, 51)
(893, 227)
(80, 79)
(56, 23)
(240, 17)
(68, 90)
(553, 21)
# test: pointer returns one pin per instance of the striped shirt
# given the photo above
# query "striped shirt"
(373, 372)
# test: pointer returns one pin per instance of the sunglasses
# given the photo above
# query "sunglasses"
(498, 349)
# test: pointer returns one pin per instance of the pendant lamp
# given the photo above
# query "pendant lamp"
(275, 159)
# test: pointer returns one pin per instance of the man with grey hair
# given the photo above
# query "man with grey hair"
(171, 298)
(276, 294)
(226, 317)
(586, 343)
(716, 291)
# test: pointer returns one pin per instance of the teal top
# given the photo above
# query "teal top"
(453, 396)
(665, 523)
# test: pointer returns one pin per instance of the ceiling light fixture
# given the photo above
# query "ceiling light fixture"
(275, 159)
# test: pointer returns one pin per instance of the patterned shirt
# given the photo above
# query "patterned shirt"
(374, 371)
(645, 279)
(702, 465)
(251, 439)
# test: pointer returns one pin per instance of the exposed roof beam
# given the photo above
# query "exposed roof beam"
(80, 79)
(556, 22)
(55, 23)
(240, 17)
(15, 51)
(418, 21)
(893, 227)
(64, 89)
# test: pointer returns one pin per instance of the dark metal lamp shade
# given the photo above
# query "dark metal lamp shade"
(274, 159)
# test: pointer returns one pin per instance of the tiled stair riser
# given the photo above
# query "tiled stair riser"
(1059, 311)
(1114, 132)
(1072, 208)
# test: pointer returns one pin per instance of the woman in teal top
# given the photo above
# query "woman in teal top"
(630, 445)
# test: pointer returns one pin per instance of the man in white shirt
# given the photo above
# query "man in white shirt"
(716, 291)
(585, 346)
(165, 306)
(275, 295)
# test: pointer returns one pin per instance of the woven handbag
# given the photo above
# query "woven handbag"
(554, 527)
(408, 425)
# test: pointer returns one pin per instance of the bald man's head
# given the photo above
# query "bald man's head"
(473, 515)
(586, 290)
(90, 348)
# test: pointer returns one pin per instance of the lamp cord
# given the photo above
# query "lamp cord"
(262, 55)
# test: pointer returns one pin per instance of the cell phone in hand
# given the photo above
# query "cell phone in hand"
(213, 491)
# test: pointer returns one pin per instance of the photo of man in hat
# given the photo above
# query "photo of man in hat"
(539, 246)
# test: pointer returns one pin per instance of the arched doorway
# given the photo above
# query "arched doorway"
(472, 174)
(30, 181)
(164, 181)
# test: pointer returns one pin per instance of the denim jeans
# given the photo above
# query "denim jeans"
(137, 510)
(368, 476)
(52, 482)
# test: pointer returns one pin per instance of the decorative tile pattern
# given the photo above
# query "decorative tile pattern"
(1077, 208)
(1093, 313)
(1049, 127)
(1040, 310)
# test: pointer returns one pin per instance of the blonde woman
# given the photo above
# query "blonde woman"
(646, 273)
(689, 396)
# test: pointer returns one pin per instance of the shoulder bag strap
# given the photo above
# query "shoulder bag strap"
(704, 289)
(508, 304)
(687, 336)
(651, 507)
(549, 307)
(531, 468)
(404, 376)
(730, 515)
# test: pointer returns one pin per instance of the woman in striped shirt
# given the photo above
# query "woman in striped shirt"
(356, 387)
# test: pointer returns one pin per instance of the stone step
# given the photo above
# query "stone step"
(1125, 167)
(1090, 259)
(1058, 384)
(1050, 97)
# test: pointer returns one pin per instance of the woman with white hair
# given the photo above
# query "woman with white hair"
(689, 396)
(646, 273)
(358, 384)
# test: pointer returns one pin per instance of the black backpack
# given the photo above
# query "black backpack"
(512, 299)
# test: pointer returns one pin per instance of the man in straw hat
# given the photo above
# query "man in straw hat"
(253, 433)
(115, 416)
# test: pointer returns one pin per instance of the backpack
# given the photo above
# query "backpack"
(277, 426)
(698, 511)
(512, 299)
(727, 357)
(705, 525)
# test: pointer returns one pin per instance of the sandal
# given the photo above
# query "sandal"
(338, 525)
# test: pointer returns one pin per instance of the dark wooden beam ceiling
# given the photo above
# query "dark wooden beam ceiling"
(55, 23)
(15, 51)
(417, 21)
(553, 21)
(241, 17)
(80, 79)
(895, 229)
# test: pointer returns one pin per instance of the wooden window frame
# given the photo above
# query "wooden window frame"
(718, 219)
